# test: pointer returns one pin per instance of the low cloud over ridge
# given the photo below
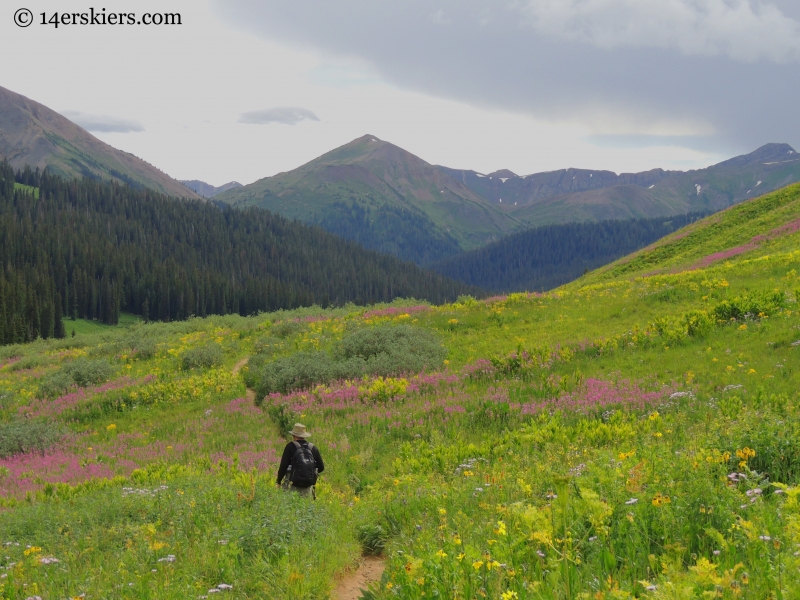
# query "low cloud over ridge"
(103, 123)
(287, 115)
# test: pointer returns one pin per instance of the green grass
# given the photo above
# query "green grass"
(83, 327)
(27, 188)
(586, 444)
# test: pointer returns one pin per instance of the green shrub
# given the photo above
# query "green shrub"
(750, 306)
(267, 346)
(287, 329)
(29, 362)
(384, 350)
(89, 372)
(23, 435)
(7, 352)
(203, 357)
(372, 538)
(145, 349)
(54, 384)
(392, 350)
(299, 371)
(82, 372)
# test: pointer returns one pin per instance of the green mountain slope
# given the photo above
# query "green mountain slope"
(547, 256)
(32, 134)
(580, 194)
(382, 196)
(750, 230)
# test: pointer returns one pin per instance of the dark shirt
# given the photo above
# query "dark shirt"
(288, 453)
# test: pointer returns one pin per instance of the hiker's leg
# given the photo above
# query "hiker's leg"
(305, 492)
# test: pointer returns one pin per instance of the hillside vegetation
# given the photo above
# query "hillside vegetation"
(89, 250)
(545, 257)
(634, 434)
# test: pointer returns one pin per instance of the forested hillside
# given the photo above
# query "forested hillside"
(545, 257)
(90, 249)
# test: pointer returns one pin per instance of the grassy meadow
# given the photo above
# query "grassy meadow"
(634, 434)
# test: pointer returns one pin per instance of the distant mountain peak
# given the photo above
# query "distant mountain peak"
(207, 190)
(767, 154)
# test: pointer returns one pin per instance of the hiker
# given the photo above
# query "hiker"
(300, 464)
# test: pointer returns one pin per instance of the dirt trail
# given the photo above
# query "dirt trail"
(349, 588)
(251, 393)
(369, 569)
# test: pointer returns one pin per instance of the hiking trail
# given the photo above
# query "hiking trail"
(250, 394)
(370, 568)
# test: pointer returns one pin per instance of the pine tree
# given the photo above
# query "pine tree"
(60, 331)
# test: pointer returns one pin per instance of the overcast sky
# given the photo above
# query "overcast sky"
(247, 88)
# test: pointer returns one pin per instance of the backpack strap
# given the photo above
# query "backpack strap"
(297, 444)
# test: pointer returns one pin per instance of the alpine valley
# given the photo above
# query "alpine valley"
(385, 198)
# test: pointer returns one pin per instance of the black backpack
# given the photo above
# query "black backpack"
(304, 467)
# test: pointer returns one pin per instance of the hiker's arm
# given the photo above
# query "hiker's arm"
(318, 460)
(286, 460)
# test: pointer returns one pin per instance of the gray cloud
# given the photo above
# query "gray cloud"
(723, 72)
(102, 123)
(287, 115)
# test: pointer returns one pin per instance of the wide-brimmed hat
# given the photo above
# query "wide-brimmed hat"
(299, 430)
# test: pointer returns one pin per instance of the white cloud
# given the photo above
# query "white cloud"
(102, 123)
(739, 29)
(287, 115)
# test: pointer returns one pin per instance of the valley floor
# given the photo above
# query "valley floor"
(630, 435)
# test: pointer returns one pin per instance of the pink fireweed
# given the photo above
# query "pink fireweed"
(30, 472)
(785, 229)
(243, 406)
(10, 361)
(51, 408)
(596, 394)
(343, 395)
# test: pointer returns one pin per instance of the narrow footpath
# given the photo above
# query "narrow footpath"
(370, 568)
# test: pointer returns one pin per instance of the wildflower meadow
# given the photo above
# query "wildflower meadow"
(633, 434)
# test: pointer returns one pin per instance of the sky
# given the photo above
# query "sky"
(244, 89)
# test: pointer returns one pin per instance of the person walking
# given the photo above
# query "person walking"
(301, 463)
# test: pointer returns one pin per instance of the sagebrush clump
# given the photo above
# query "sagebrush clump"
(202, 357)
(384, 350)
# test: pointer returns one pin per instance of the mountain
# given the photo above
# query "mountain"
(206, 190)
(581, 194)
(547, 256)
(90, 249)
(383, 197)
(32, 134)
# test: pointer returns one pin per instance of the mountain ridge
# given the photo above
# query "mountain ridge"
(31, 134)
(560, 196)
(206, 189)
(377, 177)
